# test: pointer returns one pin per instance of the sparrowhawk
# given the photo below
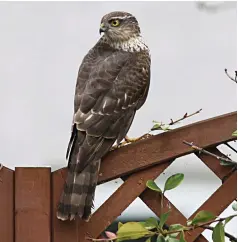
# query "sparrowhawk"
(112, 84)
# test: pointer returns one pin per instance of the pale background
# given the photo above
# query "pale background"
(42, 45)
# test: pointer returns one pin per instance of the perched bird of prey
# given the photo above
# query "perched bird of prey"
(112, 84)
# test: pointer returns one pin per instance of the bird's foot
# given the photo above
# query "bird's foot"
(132, 140)
(128, 141)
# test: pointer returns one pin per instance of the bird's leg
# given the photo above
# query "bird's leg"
(132, 140)
(117, 146)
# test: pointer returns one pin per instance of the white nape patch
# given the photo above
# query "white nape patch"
(134, 44)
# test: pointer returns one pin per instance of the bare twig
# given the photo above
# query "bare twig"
(231, 147)
(231, 237)
(186, 115)
(201, 150)
(165, 127)
(234, 79)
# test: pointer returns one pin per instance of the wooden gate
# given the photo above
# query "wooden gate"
(29, 196)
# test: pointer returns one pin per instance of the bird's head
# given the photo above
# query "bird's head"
(119, 26)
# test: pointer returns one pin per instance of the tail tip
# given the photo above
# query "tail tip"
(64, 217)
(61, 216)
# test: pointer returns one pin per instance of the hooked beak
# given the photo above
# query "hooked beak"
(103, 28)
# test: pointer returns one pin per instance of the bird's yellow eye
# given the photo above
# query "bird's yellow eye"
(115, 22)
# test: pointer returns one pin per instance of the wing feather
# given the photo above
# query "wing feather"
(111, 86)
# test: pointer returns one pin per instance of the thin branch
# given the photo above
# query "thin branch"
(231, 237)
(172, 122)
(198, 225)
(231, 147)
(201, 150)
(230, 77)
(186, 115)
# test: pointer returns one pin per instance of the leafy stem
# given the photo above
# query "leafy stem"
(204, 225)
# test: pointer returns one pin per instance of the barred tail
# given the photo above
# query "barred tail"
(78, 195)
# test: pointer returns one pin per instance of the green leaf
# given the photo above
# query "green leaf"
(173, 181)
(151, 223)
(163, 219)
(160, 238)
(218, 234)
(202, 217)
(234, 133)
(119, 225)
(182, 239)
(228, 219)
(234, 206)
(176, 227)
(148, 240)
(152, 185)
(132, 230)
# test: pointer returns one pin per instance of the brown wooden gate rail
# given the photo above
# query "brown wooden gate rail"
(28, 196)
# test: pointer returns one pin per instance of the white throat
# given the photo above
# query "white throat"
(134, 44)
